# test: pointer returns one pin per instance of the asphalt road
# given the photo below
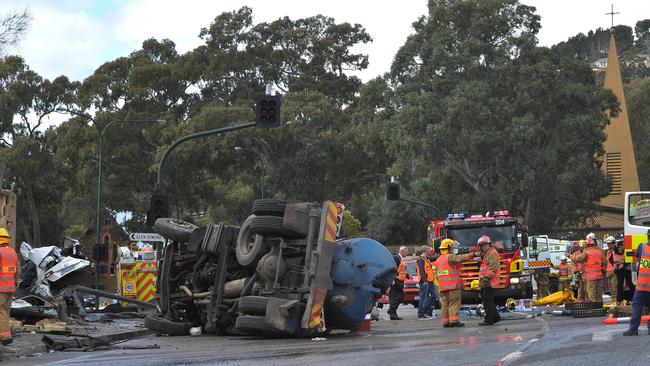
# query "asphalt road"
(544, 340)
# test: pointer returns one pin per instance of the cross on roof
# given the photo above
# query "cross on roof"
(612, 14)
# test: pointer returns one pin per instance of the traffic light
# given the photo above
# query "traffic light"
(158, 208)
(267, 111)
(339, 217)
(392, 192)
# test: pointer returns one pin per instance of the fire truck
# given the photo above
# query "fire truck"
(507, 235)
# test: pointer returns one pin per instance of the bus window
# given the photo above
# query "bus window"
(639, 209)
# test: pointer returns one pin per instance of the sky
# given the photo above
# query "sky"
(74, 37)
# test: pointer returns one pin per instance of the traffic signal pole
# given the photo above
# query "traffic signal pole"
(163, 160)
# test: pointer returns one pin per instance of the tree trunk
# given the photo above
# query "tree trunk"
(36, 227)
(529, 208)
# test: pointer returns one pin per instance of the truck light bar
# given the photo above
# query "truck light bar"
(456, 216)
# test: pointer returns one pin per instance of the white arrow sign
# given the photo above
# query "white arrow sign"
(146, 237)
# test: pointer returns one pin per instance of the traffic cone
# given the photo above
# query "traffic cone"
(644, 319)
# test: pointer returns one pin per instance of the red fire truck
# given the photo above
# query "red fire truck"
(507, 236)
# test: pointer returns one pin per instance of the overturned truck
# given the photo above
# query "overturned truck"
(281, 273)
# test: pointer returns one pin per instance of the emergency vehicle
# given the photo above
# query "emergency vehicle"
(544, 252)
(637, 222)
(504, 232)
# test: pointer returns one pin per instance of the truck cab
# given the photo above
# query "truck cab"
(505, 232)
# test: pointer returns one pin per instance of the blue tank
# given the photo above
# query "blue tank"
(361, 272)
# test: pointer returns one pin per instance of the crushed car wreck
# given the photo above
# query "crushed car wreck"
(282, 273)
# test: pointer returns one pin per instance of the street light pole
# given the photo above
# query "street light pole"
(98, 216)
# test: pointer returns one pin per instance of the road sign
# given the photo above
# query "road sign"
(146, 237)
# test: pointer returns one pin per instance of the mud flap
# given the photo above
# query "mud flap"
(284, 315)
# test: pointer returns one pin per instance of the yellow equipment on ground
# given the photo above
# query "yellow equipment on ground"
(558, 298)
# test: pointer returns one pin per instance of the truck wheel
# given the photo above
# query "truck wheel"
(175, 230)
(254, 325)
(272, 225)
(266, 207)
(253, 305)
(250, 247)
(158, 324)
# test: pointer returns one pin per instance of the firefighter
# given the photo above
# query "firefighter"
(396, 293)
(611, 267)
(642, 291)
(8, 274)
(489, 279)
(564, 274)
(449, 283)
(425, 281)
(594, 268)
(542, 280)
(578, 271)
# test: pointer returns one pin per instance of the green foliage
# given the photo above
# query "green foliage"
(637, 95)
(472, 116)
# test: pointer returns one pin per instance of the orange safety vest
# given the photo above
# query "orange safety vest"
(618, 258)
(448, 275)
(643, 279)
(401, 271)
(495, 280)
(593, 267)
(8, 267)
(610, 265)
(428, 270)
(563, 270)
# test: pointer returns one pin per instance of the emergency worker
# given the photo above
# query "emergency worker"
(542, 280)
(564, 274)
(611, 267)
(8, 274)
(594, 268)
(623, 272)
(425, 278)
(642, 290)
(449, 282)
(396, 293)
(578, 271)
(489, 279)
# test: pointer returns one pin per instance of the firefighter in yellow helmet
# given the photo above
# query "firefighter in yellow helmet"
(8, 274)
(449, 283)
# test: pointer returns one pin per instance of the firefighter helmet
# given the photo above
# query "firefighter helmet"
(590, 241)
(4, 233)
(484, 240)
(610, 240)
(446, 243)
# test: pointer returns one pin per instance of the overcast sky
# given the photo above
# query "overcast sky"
(74, 37)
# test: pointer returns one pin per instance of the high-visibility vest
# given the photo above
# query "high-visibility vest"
(563, 270)
(8, 267)
(401, 271)
(484, 271)
(428, 270)
(448, 275)
(643, 279)
(610, 265)
(618, 258)
(593, 268)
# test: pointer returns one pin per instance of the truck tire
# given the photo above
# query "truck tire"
(266, 207)
(250, 246)
(272, 225)
(253, 305)
(175, 230)
(158, 324)
(254, 325)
